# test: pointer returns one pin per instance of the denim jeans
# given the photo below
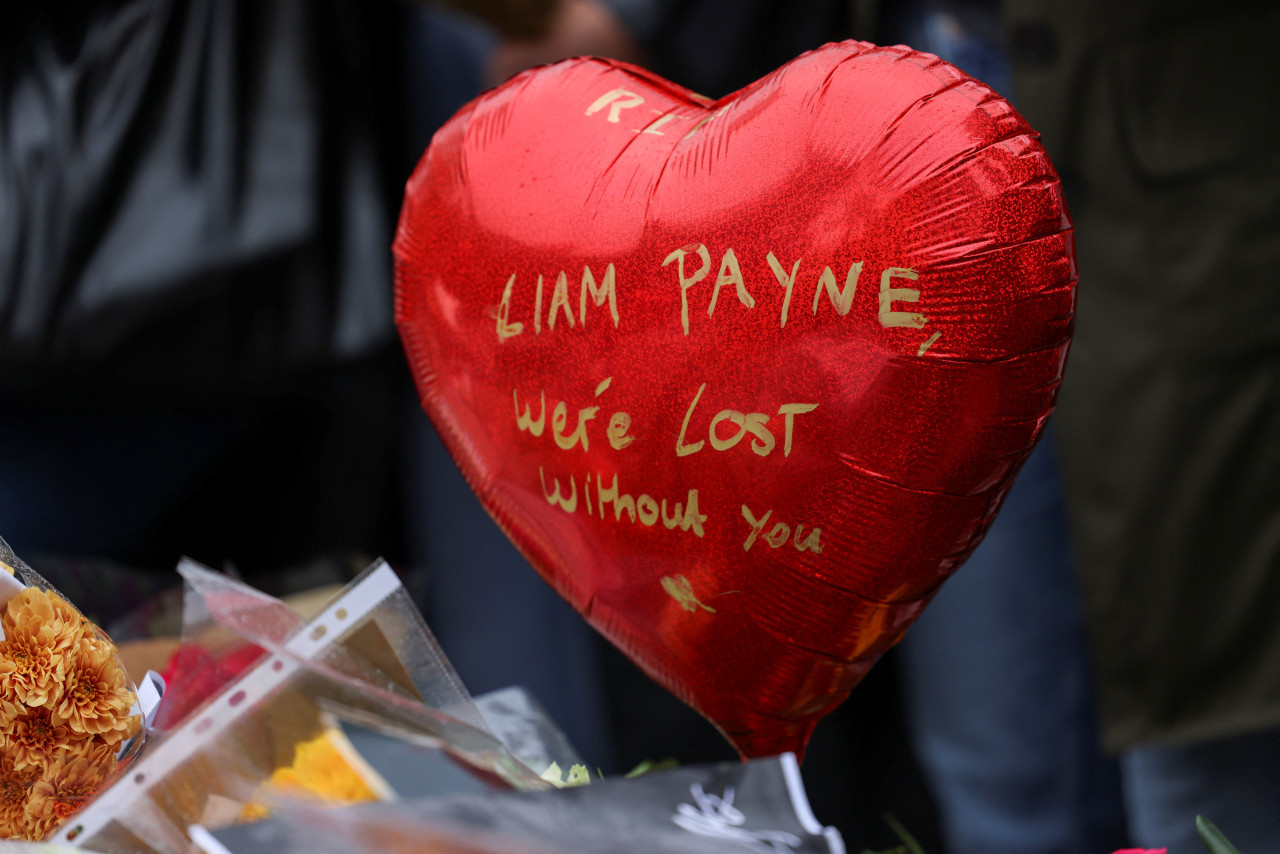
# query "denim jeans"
(997, 685)
(1233, 782)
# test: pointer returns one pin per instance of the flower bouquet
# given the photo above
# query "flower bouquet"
(263, 730)
(69, 716)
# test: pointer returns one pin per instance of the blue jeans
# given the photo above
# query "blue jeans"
(1233, 782)
(995, 672)
(497, 621)
(998, 690)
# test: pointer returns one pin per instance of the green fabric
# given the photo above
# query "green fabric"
(1161, 118)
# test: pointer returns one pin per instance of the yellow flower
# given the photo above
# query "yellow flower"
(96, 697)
(319, 768)
(34, 740)
(15, 787)
(65, 787)
(252, 812)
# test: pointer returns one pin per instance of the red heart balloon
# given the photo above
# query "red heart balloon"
(744, 380)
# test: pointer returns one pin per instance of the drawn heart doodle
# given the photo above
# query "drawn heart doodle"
(744, 380)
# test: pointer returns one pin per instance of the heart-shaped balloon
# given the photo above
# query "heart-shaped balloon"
(744, 380)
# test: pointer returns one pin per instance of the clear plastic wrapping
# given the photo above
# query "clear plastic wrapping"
(729, 808)
(235, 751)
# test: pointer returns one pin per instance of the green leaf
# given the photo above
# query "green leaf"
(649, 766)
(1213, 838)
(554, 775)
(578, 776)
(908, 840)
(909, 846)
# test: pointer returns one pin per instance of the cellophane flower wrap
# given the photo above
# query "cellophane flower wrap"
(248, 728)
(69, 715)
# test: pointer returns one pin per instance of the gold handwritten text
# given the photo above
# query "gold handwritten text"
(559, 307)
(679, 589)
(780, 533)
(739, 425)
(565, 438)
(644, 509)
(611, 105)
(692, 263)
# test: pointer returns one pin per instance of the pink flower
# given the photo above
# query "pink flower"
(1144, 851)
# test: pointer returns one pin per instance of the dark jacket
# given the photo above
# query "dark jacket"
(1158, 115)
(193, 196)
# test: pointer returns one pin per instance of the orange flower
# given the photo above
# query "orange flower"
(15, 786)
(50, 608)
(34, 740)
(30, 672)
(126, 728)
(65, 787)
(8, 712)
(96, 697)
(95, 750)
(39, 629)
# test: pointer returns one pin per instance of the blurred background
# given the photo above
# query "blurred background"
(197, 357)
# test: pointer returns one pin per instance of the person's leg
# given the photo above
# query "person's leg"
(499, 623)
(1233, 782)
(996, 671)
(999, 695)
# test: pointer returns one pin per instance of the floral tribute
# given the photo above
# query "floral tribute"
(66, 708)
(321, 770)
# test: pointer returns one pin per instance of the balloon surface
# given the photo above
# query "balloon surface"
(744, 380)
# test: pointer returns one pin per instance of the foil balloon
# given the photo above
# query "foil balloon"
(745, 380)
